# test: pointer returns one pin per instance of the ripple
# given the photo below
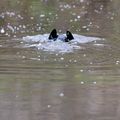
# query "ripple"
(41, 42)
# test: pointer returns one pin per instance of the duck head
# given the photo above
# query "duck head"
(53, 35)
(69, 36)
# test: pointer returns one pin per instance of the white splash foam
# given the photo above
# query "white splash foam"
(42, 42)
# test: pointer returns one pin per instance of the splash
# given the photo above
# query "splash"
(41, 42)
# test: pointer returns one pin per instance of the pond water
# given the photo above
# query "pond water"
(47, 80)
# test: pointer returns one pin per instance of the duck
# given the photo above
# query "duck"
(54, 36)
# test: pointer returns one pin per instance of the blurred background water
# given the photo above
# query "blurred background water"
(42, 85)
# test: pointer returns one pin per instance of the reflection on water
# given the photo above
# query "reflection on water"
(46, 85)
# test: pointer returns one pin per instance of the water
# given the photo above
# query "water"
(41, 42)
(47, 80)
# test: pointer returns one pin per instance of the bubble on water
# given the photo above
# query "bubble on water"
(17, 28)
(88, 29)
(2, 31)
(21, 42)
(84, 27)
(67, 6)
(18, 2)
(61, 58)
(61, 94)
(112, 18)
(24, 26)
(66, 65)
(19, 16)
(101, 7)
(7, 34)
(91, 63)
(117, 62)
(42, 15)
(49, 106)
(81, 70)
(23, 57)
(81, 1)
(62, 9)
(31, 18)
(39, 28)
(94, 82)
(75, 19)
(75, 61)
(84, 55)
(90, 23)
(55, 59)
(74, 6)
(97, 26)
(11, 28)
(96, 11)
(71, 20)
(56, 54)
(70, 60)
(10, 14)
(82, 82)
(16, 96)
(50, 13)
(78, 17)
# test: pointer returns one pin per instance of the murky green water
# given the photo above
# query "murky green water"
(39, 85)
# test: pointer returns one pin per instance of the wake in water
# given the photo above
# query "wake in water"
(42, 42)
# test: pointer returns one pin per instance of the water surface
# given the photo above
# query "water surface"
(68, 83)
